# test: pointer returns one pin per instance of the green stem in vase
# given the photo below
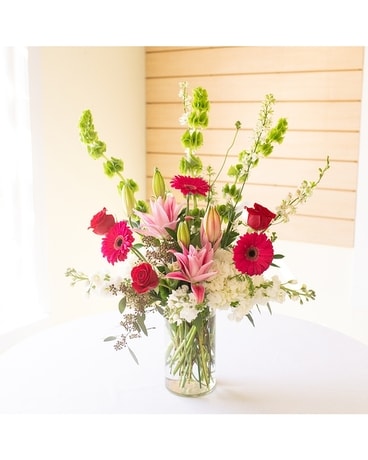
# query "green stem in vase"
(189, 352)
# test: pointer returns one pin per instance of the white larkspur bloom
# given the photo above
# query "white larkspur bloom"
(228, 288)
(275, 292)
(183, 120)
(239, 312)
(98, 283)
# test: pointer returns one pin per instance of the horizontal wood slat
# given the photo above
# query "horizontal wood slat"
(270, 171)
(319, 116)
(318, 230)
(297, 144)
(188, 62)
(342, 85)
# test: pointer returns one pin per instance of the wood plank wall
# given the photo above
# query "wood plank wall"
(318, 89)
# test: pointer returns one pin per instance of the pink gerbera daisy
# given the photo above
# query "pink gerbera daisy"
(253, 253)
(117, 242)
(190, 185)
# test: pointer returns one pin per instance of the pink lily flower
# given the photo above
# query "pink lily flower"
(164, 214)
(195, 267)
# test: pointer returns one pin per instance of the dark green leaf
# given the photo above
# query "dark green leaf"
(122, 304)
(160, 310)
(249, 316)
(141, 324)
(133, 355)
(171, 232)
(110, 338)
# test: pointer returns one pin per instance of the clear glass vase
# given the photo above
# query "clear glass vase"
(190, 355)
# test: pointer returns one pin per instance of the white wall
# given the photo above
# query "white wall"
(71, 186)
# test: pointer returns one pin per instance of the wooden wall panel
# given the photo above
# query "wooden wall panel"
(275, 172)
(318, 89)
(310, 116)
(297, 144)
(342, 86)
(177, 62)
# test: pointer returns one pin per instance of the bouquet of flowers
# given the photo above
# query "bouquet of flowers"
(189, 250)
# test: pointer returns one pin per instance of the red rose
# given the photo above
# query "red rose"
(101, 222)
(144, 278)
(259, 217)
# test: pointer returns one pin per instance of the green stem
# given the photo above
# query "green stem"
(226, 155)
(138, 254)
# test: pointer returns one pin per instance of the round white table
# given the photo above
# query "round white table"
(283, 365)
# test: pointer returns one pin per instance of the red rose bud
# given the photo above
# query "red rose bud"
(144, 278)
(158, 184)
(259, 217)
(183, 234)
(211, 225)
(101, 222)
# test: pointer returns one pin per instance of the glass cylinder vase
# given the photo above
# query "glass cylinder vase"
(190, 355)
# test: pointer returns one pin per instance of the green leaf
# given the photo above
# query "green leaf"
(122, 304)
(171, 232)
(141, 324)
(160, 310)
(249, 316)
(110, 338)
(133, 354)
(278, 256)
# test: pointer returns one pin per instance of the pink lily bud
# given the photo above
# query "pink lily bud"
(211, 226)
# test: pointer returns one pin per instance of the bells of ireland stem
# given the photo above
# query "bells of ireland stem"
(211, 227)
(183, 235)
(158, 184)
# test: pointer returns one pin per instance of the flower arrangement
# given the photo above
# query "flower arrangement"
(187, 251)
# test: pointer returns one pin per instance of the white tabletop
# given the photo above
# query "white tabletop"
(283, 365)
